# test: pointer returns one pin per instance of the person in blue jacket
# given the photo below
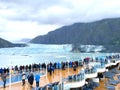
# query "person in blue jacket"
(37, 78)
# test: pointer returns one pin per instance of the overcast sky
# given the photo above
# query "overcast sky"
(30, 18)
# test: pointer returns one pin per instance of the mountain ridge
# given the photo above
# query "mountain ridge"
(6, 44)
(103, 32)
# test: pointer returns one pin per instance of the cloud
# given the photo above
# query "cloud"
(15, 30)
(41, 16)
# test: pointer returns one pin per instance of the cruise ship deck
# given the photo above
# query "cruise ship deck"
(56, 76)
(96, 75)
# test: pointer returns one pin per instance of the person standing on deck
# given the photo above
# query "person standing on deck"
(52, 68)
(74, 66)
(31, 79)
(37, 78)
(4, 75)
(23, 78)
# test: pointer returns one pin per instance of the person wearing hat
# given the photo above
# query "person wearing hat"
(23, 78)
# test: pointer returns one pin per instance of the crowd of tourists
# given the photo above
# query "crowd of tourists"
(32, 68)
(35, 68)
(51, 66)
(38, 67)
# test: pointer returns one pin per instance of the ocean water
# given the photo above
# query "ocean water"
(39, 53)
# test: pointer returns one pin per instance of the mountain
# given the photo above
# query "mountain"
(103, 32)
(6, 44)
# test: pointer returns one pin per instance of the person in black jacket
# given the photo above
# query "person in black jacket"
(31, 79)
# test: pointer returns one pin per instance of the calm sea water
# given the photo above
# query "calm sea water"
(39, 53)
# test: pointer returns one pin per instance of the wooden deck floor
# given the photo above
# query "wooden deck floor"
(55, 77)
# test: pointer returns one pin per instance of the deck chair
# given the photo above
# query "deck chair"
(109, 87)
